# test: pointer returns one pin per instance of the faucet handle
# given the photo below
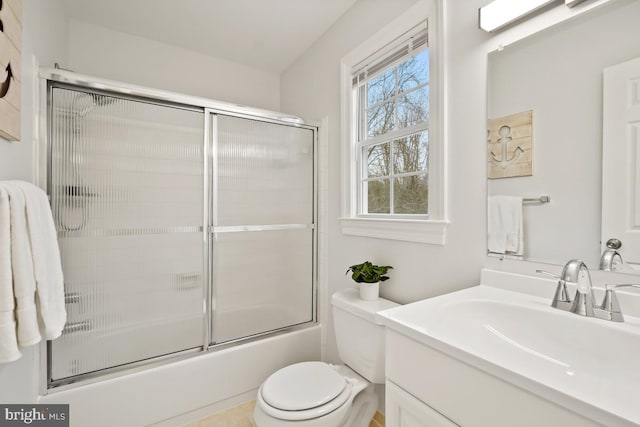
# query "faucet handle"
(561, 298)
(610, 304)
(548, 273)
(623, 285)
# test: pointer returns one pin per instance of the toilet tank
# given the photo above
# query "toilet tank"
(360, 336)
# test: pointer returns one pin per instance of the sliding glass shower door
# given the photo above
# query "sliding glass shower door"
(263, 227)
(180, 227)
(126, 183)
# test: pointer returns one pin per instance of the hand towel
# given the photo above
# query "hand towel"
(8, 339)
(504, 225)
(47, 265)
(24, 284)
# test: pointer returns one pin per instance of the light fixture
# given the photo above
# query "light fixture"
(500, 13)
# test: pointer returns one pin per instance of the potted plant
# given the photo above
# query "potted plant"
(368, 276)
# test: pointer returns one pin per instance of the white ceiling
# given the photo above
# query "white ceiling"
(264, 34)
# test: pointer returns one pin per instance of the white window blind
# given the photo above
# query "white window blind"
(411, 41)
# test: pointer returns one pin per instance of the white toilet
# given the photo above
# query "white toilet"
(316, 394)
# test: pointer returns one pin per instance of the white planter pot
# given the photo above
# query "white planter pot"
(369, 291)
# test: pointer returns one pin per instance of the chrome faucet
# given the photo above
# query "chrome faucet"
(611, 260)
(574, 272)
(584, 303)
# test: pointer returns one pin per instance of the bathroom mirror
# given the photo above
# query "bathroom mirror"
(557, 76)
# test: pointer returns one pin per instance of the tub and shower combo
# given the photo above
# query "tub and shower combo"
(188, 229)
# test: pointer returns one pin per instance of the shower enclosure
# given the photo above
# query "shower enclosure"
(184, 224)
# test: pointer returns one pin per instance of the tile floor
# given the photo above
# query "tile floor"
(242, 416)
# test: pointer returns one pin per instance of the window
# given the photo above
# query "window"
(393, 153)
(392, 130)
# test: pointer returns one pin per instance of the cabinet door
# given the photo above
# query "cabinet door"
(404, 410)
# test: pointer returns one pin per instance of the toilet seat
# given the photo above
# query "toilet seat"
(304, 391)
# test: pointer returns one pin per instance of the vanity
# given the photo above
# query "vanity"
(498, 354)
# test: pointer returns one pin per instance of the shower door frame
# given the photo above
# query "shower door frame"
(50, 79)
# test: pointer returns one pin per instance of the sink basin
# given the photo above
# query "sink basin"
(585, 364)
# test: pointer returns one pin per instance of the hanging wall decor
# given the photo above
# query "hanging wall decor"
(510, 146)
(10, 58)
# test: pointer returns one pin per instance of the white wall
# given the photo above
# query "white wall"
(44, 35)
(558, 74)
(311, 88)
(102, 52)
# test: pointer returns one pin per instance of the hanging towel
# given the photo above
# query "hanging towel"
(8, 338)
(24, 283)
(47, 266)
(504, 225)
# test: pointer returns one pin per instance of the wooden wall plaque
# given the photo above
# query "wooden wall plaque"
(510, 146)
(10, 68)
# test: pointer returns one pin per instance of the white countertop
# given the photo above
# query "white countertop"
(507, 328)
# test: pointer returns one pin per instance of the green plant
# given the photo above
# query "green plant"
(368, 272)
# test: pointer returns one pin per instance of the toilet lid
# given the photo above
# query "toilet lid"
(302, 386)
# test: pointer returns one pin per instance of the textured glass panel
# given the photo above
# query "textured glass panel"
(127, 187)
(413, 72)
(263, 282)
(410, 154)
(378, 196)
(381, 87)
(378, 159)
(410, 195)
(381, 119)
(265, 173)
(413, 108)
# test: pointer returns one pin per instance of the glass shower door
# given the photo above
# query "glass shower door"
(126, 183)
(263, 218)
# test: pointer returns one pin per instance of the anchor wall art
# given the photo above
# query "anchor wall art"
(10, 58)
(510, 146)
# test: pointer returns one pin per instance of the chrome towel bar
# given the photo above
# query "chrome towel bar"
(541, 199)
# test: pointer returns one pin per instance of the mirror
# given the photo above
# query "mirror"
(545, 138)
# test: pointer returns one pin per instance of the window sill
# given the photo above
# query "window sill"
(408, 230)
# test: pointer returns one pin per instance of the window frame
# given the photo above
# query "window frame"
(423, 228)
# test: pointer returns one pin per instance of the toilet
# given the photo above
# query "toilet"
(317, 394)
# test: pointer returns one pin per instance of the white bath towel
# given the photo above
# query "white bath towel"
(24, 284)
(46, 261)
(8, 339)
(504, 225)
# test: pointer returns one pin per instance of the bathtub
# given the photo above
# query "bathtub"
(185, 390)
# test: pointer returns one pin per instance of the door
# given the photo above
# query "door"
(621, 158)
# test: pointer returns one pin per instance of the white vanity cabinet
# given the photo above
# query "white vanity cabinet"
(498, 355)
(404, 410)
(426, 387)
